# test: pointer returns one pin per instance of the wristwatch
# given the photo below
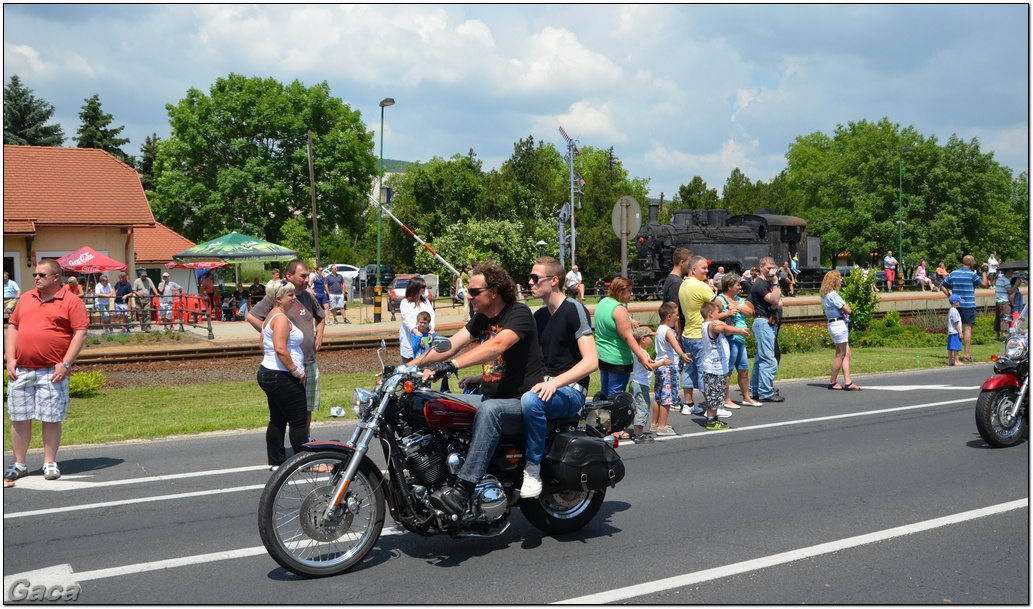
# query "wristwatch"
(67, 365)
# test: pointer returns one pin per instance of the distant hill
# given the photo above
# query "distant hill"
(393, 165)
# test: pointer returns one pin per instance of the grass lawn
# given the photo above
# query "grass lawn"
(113, 415)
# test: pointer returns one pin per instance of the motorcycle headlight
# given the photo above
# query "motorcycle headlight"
(361, 398)
(1015, 347)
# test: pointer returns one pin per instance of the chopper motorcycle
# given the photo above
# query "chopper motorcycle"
(323, 509)
(1002, 411)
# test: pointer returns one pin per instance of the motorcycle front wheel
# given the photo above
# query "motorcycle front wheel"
(995, 426)
(290, 515)
(562, 512)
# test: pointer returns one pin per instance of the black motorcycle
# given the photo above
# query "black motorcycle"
(1002, 411)
(323, 510)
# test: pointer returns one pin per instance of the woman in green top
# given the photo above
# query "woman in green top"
(613, 339)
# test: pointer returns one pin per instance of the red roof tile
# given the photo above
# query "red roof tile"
(71, 186)
(157, 244)
(17, 228)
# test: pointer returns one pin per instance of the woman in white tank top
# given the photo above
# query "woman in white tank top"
(282, 377)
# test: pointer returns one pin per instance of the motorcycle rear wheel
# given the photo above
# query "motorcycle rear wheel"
(290, 516)
(992, 421)
(562, 512)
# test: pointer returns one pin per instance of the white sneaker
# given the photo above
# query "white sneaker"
(666, 430)
(692, 409)
(532, 484)
(723, 413)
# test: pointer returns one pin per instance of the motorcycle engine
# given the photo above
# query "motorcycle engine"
(425, 458)
(490, 499)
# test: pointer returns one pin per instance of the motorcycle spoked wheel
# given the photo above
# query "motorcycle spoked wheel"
(562, 512)
(292, 506)
(992, 421)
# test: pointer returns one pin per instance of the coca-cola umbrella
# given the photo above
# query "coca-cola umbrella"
(215, 264)
(87, 260)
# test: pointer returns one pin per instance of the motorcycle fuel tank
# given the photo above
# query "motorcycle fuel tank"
(439, 411)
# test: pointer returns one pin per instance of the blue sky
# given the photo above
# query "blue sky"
(677, 91)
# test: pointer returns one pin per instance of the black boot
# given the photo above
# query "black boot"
(453, 499)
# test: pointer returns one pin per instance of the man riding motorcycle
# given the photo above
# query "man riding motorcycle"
(512, 365)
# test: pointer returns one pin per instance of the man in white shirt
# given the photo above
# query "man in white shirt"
(574, 283)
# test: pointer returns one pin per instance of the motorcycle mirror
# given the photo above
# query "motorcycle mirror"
(441, 345)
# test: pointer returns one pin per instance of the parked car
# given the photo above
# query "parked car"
(396, 292)
(348, 270)
(387, 273)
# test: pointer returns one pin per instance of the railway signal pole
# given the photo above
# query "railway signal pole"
(567, 211)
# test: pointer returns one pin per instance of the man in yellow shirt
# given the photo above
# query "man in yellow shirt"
(693, 293)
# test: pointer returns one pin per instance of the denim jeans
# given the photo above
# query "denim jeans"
(690, 374)
(566, 402)
(762, 381)
(613, 382)
(494, 418)
(287, 406)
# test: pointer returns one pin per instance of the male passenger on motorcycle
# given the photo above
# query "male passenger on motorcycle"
(512, 365)
(568, 351)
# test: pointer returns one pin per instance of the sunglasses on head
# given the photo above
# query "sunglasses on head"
(535, 278)
(477, 291)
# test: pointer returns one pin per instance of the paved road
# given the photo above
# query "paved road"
(882, 496)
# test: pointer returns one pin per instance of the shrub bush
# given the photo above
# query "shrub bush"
(84, 384)
(860, 294)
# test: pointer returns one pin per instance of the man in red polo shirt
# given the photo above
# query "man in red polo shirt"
(46, 332)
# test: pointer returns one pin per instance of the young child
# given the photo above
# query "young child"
(422, 337)
(668, 349)
(953, 331)
(714, 366)
(639, 387)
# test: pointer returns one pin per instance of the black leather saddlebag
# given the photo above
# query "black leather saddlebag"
(578, 462)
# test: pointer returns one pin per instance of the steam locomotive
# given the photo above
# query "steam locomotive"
(734, 242)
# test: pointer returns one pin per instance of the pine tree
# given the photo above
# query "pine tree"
(25, 118)
(145, 166)
(94, 131)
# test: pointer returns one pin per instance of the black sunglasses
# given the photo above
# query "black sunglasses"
(42, 274)
(477, 291)
(533, 278)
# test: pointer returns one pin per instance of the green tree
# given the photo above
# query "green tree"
(95, 131)
(298, 237)
(145, 166)
(237, 160)
(25, 118)
(739, 195)
(533, 179)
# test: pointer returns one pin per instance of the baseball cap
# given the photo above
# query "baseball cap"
(164, 274)
(954, 298)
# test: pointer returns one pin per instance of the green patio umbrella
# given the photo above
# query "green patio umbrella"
(235, 248)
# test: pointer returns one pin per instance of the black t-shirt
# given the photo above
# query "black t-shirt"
(558, 334)
(520, 367)
(672, 283)
(760, 289)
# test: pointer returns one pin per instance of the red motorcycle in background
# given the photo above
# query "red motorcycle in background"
(1002, 411)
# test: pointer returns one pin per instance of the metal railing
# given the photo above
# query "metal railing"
(148, 314)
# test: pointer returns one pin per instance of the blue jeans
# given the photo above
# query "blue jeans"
(494, 418)
(762, 381)
(566, 402)
(613, 382)
(690, 374)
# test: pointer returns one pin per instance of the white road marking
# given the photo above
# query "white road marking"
(833, 417)
(65, 576)
(689, 579)
(919, 387)
(78, 482)
(94, 506)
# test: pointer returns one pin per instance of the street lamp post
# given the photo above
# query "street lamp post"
(900, 208)
(377, 300)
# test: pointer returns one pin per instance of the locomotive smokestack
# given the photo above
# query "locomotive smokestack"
(654, 210)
